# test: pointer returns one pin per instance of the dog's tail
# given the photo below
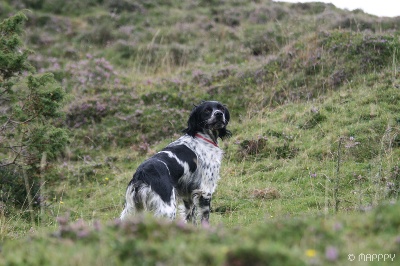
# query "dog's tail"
(147, 192)
(129, 206)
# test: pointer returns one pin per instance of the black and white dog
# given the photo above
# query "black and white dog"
(187, 169)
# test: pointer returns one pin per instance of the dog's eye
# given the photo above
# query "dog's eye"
(207, 111)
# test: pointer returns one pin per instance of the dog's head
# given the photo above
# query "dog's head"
(209, 117)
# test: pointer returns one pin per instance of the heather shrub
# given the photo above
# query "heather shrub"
(156, 55)
(354, 24)
(86, 111)
(312, 119)
(41, 39)
(174, 120)
(153, 98)
(274, 147)
(101, 31)
(90, 73)
(266, 13)
(310, 8)
(45, 64)
(120, 6)
(327, 60)
(228, 17)
(180, 55)
(393, 182)
(183, 33)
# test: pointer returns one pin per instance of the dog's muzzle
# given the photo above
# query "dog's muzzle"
(217, 120)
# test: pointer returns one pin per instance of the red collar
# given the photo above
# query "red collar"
(206, 139)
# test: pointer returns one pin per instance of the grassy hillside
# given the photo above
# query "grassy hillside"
(310, 175)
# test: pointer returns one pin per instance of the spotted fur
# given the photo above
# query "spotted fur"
(185, 171)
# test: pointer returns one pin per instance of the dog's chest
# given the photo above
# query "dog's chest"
(209, 165)
(208, 162)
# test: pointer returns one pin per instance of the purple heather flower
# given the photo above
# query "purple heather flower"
(97, 225)
(181, 224)
(83, 233)
(331, 253)
(313, 175)
(337, 226)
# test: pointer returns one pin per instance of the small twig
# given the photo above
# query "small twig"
(18, 153)
(42, 182)
(4, 126)
(12, 162)
(29, 196)
(336, 188)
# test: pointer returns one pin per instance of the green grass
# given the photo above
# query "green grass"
(288, 240)
(314, 99)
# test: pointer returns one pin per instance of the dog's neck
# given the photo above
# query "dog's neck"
(211, 135)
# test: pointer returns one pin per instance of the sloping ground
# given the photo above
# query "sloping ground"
(314, 96)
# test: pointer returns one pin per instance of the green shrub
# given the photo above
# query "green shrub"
(310, 8)
(262, 41)
(31, 103)
(62, 7)
(387, 218)
(120, 6)
(365, 52)
(230, 17)
(101, 32)
(12, 188)
(273, 254)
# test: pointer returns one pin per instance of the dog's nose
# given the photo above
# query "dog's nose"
(218, 114)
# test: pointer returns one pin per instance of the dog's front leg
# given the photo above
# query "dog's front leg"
(189, 211)
(205, 207)
(201, 207)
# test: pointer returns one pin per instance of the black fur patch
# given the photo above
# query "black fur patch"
(175, 169)
(155, 173)
(163, 172)
(185, 155)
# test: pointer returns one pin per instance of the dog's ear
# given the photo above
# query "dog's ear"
(223, 132)
(227, 115)
(192, 123)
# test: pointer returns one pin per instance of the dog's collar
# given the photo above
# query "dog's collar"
(206, 139)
